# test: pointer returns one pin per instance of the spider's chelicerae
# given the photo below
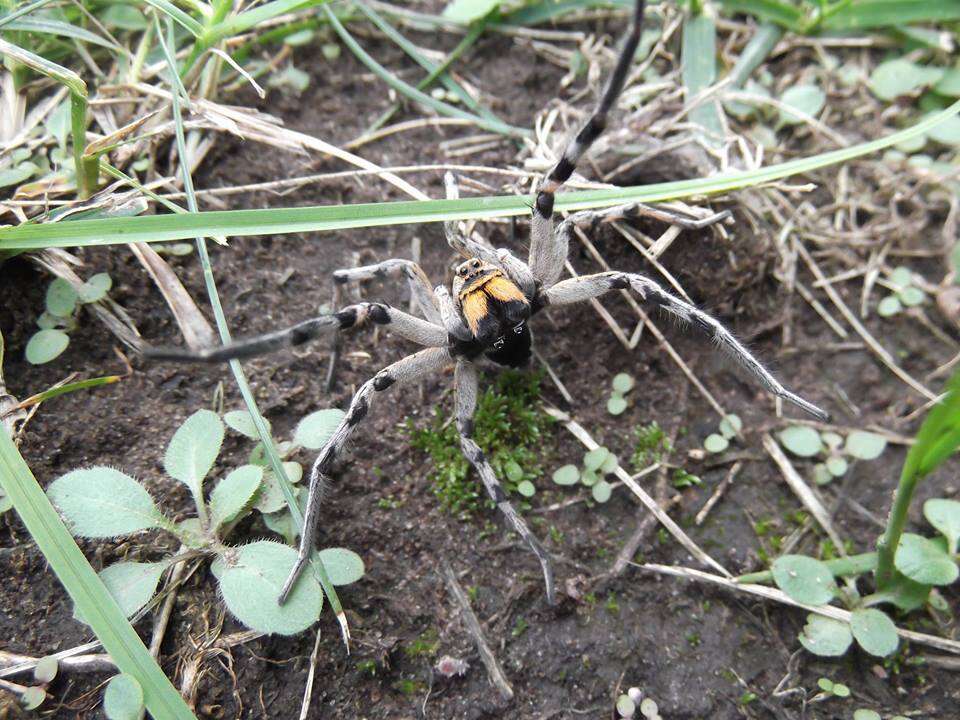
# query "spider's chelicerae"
(485, 313)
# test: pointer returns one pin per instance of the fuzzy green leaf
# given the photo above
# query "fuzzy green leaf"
(616, 404)
(61, 298)
(234, 493)
(123, 698)
(622, 383)
(837, 466)
(45, 345)
(46, 670)
(865, 445)
(889, 306)
(251, 578)
(924, 561)
(801, 440)
(96, 288)
(874, 631)
(866, 714)
(343, 566)
(103, 502)
(193, 449)
(526, 488)
(715, 443)
(595, 458)
(825, 636)
(316, 428)
(241, 421)
(601, 491)
(894, 78)
(944, 515)
(804, 579)
(730, 426)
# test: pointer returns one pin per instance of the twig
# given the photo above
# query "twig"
(718, 493)
(308, 690)
(99, 662)
(494, 672)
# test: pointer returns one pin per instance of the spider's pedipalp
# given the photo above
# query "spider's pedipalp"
(466, 386)
(412, 328)
(591, 286)
(408, 370)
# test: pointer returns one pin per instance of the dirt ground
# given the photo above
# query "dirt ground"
(700, 652)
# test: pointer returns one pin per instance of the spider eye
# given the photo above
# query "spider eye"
(475, 263)
(462, 271)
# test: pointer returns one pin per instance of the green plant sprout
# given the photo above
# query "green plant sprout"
(621, 385)
(102, 502)
(652, 446)
(60, 316)
(905, 293)
(730, 426)
(629, 702)
(511, 428)
(597, 464)
(832, 689)
(806, 442)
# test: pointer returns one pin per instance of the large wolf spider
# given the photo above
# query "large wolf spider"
(486, 313)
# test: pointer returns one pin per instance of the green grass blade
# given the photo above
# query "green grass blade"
(866, 14)
(537, 13)
(411, 92)
(68, 388)
(289, 493)
(754, 53)
(83, 585)
(21, 11)
(699, 72)
(273, 221)
(177, 15)
(62, 29)
(251, 18)
(781, 13)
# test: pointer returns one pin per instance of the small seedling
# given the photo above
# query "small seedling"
(730, 426)
(905, 293)
(831, 688)
(102, 502)
(804, 441)
(652, 446)
(622, 384)
(629, 702)
(597, 464)
(60, 316)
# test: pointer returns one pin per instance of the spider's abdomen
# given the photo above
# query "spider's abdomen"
(513, 348)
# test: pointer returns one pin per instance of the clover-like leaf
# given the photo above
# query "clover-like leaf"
(610, 464)
(924, 561)
(513, 471)
(944, 515)
(595, 458)
(804, 579)
(467, 11)
(730, 426)
(343, 566)
(61, 298)
(825, 636)
(46, 670)
(193, 450)
(33, 697)
(566, 475)
(822, 474)
(589, 478)
(865, 445)
(242, 422)
(616, 405)
(894, 78)
(316, 428)
(601, 491)
(102, 502)
(806, 99)
(234, 493)
(866, 714)
(622, 383)
(626, 707)
(801, 440)
(123, 698)
(131, 584)
(715, 443)
(889, 306)
(912, 296)
(526, 488)
(96, 288)
(836, 466)
(44, 345)
(874, 631)
(907, 594)
(251, 578)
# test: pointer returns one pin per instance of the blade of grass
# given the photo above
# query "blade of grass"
(62, 29)
(21, 11)
(537, 13)
(236, 368)
(699, 72)
(85, 588)
(866, 14)
(275, 221)
(167, 8)
(411, 92)
(781, 13)
(68, 388)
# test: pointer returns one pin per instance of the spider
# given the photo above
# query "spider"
(486, 313)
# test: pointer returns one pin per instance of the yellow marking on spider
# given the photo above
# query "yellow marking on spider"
(475, 308)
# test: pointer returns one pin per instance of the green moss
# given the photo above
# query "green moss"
(510, 428)
(652, 445)
(424, 646)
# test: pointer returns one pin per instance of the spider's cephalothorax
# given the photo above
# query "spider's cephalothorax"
(495, 310)
(494, 293)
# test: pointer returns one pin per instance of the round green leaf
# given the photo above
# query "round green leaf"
(807, 99)
(804, 579)
(912, 296)
(622, 383)
(589, 478)
(825, 636)
(836, 466)
(123, 698)
(944, 515)
(566, 475)
(301, 37)
(466, 11)
(889, 306)
(193, 449)
(526, 488)
(242, 422)
(832, 440)
(251, 578)
(234, 493)
(46, 670)
(874, 631)
(595, 458)
(270, 499)
(131, 584)
(924, 561)
(33, 697)
(103, 502)
(730, 426)
(343, 566)
(865, 445)
(46, 321)
(821, 474)
(61, 298)
(616, 405)
(801, 440)
(610, 464)
(907, 594)
(949, 84)
(96, 288)
(316, 428)
(513, 471)
(894, 78)
(946, 132)
(45, 345)
(901, 276)
(601, 491)
(841, 690)
(715, 443)
(825, 684)
(865, 714)
(625, 706)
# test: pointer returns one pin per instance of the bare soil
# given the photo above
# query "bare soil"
(698, 651)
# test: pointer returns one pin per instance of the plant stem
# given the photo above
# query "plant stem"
(850, 565)
(887, 546)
